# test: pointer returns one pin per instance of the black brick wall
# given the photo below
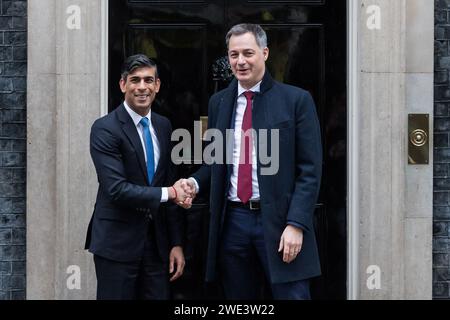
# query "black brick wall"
(441, 225)
(13, 69)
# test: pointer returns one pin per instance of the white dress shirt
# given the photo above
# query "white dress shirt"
(156, 150)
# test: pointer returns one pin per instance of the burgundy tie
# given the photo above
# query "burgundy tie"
(244, 187)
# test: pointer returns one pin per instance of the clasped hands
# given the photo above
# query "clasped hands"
(183, 192)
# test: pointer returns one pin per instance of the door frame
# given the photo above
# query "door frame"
(352, 150)
(104, 77)
(352, 132)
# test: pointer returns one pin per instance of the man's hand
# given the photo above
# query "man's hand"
(188, 189)
(176, 259)
(291, 243)
(181, 195)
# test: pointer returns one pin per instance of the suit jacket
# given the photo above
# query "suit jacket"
(288, 196)
(125, 201)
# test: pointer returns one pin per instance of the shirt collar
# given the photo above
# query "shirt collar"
(256, 88)
(136, 117)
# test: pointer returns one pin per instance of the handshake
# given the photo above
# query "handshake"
(183, 193)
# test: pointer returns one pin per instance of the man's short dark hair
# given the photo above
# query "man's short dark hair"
(243, 28)
(135, 62)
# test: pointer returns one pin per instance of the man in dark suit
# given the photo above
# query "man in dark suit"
(134, 234)
(261, 220)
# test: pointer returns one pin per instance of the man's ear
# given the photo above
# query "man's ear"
(266, 53)
(157, 84)
(122, 84)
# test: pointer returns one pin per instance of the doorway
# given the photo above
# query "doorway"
(308, 43)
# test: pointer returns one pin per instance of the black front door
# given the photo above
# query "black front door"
(307, 41)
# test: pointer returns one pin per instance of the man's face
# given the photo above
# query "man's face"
(247, 59)
(140, 89)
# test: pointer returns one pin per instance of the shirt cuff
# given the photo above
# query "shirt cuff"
(298, 225)
(164, 195)
(197, 188)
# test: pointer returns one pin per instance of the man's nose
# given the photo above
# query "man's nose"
(142, 85)
(241, 59)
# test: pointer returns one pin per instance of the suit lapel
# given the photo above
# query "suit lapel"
(162, 147)
(226, 107)
(262, 111)
(131, 132)
(225, 120)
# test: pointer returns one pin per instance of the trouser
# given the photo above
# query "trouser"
(146, 279)
(243, 253)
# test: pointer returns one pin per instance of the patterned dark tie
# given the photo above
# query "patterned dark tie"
(244, 187)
